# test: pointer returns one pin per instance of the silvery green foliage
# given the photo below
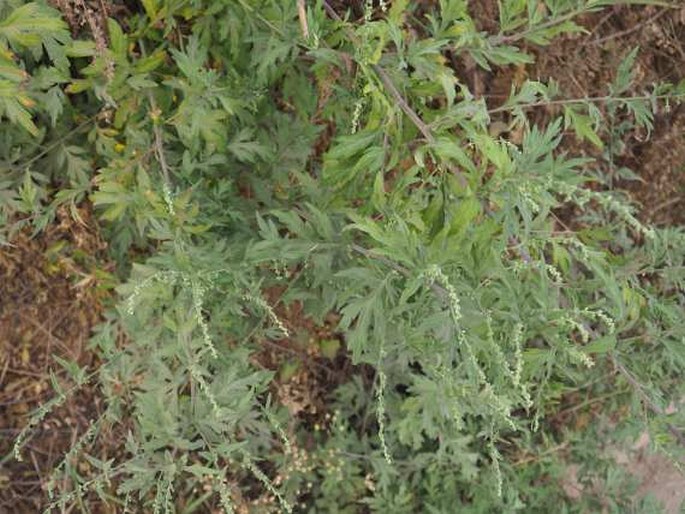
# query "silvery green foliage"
(436, 243)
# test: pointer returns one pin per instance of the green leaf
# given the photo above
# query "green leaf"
(466, 211)
(246, 149)
(32, 24)
(602, 345)
(76, 372)
(582, 126)
(451, 150)
(151, 62)
(329, 348)
(117, 40)
(544, 36)
(378, 199)
(624, 73)
(15, 111)
(150, 7)
(288, 370)
(78, 48)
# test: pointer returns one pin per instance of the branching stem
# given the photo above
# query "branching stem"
(591, 99)
(387, 82)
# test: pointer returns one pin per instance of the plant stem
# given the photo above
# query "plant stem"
(502, 39)
(387, 82)
(591, 99)
(649, 403)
